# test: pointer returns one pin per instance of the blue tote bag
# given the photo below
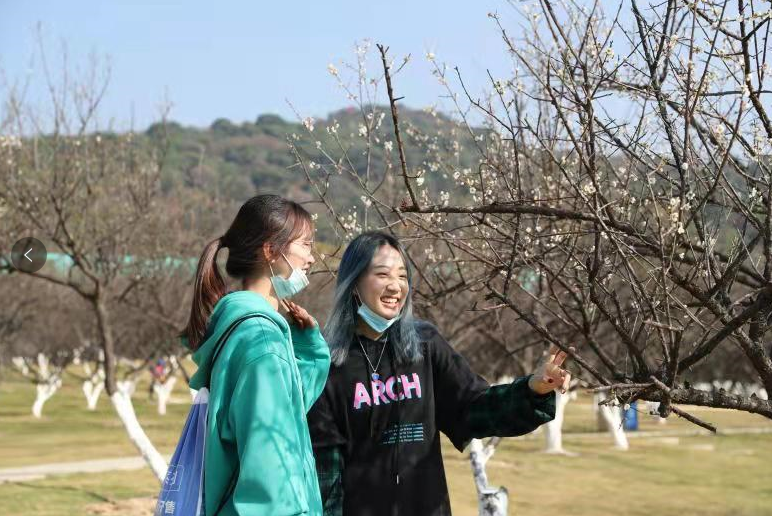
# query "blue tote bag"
(182, 492)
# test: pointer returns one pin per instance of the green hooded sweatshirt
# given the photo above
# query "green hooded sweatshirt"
(264, 381)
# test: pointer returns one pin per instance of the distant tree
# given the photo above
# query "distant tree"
(91, 195)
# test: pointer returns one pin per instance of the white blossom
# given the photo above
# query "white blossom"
(444, 198)
(588, 188)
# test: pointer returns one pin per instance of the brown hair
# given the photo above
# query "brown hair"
(262, 219)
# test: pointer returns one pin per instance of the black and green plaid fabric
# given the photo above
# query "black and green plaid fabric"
(503, 410)
(510, 410)
(329, 469)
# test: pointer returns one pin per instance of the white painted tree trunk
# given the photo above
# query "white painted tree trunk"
(125, 410)
(46, 386)
(653, 408)
(492, 501)
(163, 392)
(20, 365)
(127, 387)
(92, 389)
(43, 370)
(553, 431)
(44, 393)
(612, 420)
(94, 385)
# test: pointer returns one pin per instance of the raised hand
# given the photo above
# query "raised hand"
(549, 375)
(299, 315)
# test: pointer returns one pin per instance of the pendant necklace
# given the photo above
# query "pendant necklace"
(374, 375)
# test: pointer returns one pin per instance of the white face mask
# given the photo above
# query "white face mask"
(377, 322)
(288, 287)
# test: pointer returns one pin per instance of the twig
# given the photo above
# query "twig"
(395, 119)
(697, 421)
(620, 386)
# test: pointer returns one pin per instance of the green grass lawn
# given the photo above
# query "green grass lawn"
(69, 432)
(702, 475)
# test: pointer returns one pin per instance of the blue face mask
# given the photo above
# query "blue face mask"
(376, 322)
(288, 287)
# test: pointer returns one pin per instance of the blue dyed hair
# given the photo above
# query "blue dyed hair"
(342, 322)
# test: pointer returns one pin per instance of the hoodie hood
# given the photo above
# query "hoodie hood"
(231, 307)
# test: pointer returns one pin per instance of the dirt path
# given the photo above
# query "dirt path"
(39, 471)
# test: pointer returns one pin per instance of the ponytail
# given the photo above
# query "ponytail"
(208, 289)
(263, 219)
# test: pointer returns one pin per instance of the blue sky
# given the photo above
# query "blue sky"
(240, 59)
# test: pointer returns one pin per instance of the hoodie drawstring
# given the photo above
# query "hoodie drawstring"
(398, 382)
(399, 394)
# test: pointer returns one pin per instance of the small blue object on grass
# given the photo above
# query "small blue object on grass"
(630, 417)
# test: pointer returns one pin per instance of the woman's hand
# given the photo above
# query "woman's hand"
(299, 315)
(549, 376)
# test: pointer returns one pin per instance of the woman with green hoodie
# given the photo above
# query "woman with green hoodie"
(267, 374)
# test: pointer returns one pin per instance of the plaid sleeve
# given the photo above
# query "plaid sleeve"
(329, 469)
(510, 410)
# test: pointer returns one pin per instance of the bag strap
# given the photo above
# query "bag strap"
(220, 345)
(224, 337)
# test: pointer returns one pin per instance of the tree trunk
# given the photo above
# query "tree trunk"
(44, 393)
(46, 386)
(125, 410)
(611, 419)
(163, 392)
(94, 383)
(108, 346)
(492, 501)
(92, 389)
(21, 365)
(127, 387)
(121, 399)
(653, 408)
(553, 430)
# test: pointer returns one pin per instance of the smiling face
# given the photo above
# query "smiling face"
(383, 286)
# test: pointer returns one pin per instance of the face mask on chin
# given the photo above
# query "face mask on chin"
(378, 323)
(288, 287)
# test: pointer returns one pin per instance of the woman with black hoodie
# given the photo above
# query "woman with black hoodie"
(394, 384)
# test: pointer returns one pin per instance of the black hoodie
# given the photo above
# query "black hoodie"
(389, 472)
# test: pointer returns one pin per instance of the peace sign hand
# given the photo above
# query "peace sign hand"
(549, 376)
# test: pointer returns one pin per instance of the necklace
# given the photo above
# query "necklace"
(374, 375)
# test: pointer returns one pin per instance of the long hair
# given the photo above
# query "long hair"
(262, 219)
(341, 324)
